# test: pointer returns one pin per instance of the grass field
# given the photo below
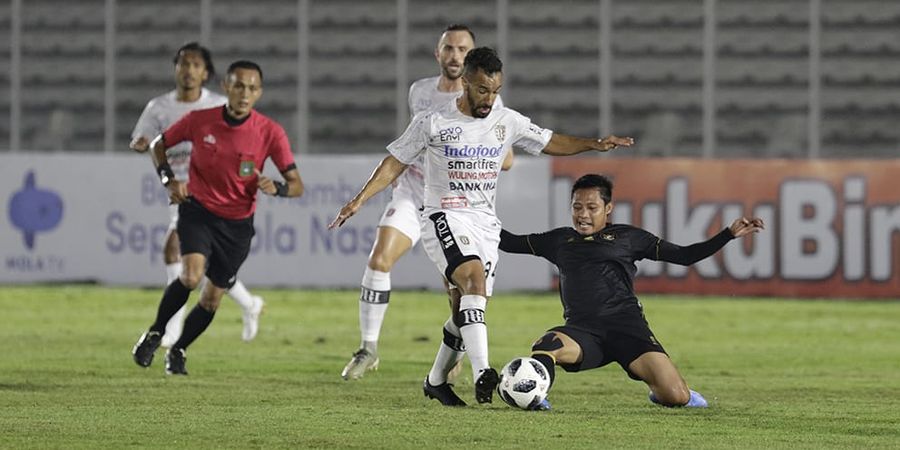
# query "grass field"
(778, 374)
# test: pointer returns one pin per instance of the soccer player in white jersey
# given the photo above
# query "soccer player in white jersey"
(464, 143)
(399, 228)
(193, 67)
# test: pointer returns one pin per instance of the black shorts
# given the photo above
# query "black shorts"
(224, 242)
(621, 338)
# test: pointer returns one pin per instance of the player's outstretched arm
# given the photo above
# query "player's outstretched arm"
(685, 256)
(538, 244)
(292, 186)
(514, 243)
(387, 171)
(563, 145)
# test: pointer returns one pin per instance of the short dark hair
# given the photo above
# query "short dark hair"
(460, 27)
(484, 58)
(204, 52)
(245, 64)
(595, 181)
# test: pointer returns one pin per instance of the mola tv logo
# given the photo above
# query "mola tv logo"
(34, 210)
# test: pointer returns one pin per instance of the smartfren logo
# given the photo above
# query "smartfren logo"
(34, 210)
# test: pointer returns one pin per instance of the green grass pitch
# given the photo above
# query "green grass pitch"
(778, 374)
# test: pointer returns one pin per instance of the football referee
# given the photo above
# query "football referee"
(230, 146)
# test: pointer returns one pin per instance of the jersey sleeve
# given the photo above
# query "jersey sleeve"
(179, 131)
(409, 99)
(544, 245)
(280, 148)
(645, 244)
(528, 136)
(685, 256)
(413, 141)
(148, 125)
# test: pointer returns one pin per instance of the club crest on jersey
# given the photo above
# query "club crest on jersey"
(608, 237)
(209, 139)
(246, 168)
(500, 132)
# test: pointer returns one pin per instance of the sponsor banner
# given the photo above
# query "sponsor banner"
(104, 218)
(832, 227)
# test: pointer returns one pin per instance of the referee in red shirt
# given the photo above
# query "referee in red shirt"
(230, 147)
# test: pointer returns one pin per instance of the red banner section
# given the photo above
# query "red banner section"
(832, 227)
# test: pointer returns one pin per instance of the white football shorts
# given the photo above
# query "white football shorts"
(453, 236)
(402, 213)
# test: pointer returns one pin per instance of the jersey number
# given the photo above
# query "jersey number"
(490, 270)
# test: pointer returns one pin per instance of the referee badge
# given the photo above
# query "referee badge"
(246, 168)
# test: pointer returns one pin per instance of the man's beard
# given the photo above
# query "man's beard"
(445, 70)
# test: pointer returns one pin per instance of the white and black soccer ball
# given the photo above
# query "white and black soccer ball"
(523, 383)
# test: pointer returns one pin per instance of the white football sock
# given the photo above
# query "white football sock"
(474, 332)
(174, 327)
(173, 271)
(373, 303)
(449, 353)
(241, 295)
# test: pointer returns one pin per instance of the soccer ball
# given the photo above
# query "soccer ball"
(523, 383)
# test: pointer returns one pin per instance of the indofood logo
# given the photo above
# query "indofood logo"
(33, 210)
(471, 151)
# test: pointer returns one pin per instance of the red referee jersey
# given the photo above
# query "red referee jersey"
(223, 158)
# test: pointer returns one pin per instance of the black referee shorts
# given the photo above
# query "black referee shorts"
(621, 338)
(224, 242)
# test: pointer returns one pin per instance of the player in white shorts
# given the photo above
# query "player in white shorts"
(464, 143)
(399, 228)
(193, 67)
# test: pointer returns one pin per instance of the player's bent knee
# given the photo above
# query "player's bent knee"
(548, 343)
(675, 395)
(190, 280)
(380, 263)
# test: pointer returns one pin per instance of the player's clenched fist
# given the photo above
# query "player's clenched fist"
(178, 191)
(745, 226)
(140, 144)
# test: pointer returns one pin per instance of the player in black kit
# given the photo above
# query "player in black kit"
(604, 319)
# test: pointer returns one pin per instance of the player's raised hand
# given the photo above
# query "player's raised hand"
(178, 191)
(744, 226)
(611, 142)
(140, 144)
(265, 183)
(346, 212)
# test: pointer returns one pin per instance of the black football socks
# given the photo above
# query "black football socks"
(174, 297)
(548, 362)
(195, 324)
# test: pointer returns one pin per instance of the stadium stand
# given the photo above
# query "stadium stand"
(762, 81)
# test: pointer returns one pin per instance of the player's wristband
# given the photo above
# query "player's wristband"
(281, 189)
(165, 173)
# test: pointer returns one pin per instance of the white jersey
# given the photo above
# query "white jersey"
(161, 112)
(463, 155)
(423, 95)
